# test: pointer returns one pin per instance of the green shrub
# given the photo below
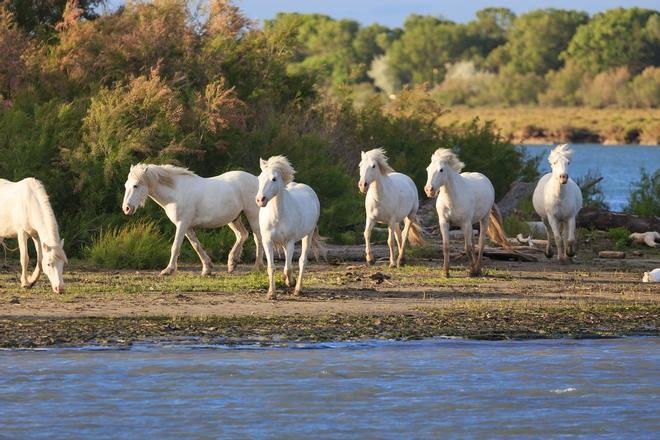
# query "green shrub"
(592, 192)
(134, 246)
(514, 226)
(644, 198)
(619, 236)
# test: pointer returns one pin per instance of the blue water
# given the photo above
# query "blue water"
(438, 388)
(618, 164)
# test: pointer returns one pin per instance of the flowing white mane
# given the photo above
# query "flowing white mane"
(560, 151)
(150, 174)
(379, 156)
(449, 157)
(282, 165)
(47, 216)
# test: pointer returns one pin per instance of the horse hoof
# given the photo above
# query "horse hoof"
(231, 269)
(548, 254)
(447, 275)
(370, 262)
(297, 292)
(206, 272)
(271, 295)
(166, 272)
(393, 265)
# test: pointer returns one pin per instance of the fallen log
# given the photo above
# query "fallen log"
(603, 220)
(612, 254)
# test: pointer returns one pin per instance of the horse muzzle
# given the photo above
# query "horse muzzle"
(362, 186)
(129, 210)
(429, 190)
(261, 201)
(563, 179)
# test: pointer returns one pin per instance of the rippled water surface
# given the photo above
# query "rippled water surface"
(425, 389)
(618, 164)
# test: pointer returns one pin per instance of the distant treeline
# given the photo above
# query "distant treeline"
(549, 57)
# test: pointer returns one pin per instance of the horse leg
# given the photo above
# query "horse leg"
(483, 227)
(203, 256)
(37, 269)
(390, 243)
(25, 258)
(469, 245)
(302, 262)
(270, 260)
(548, 230)
(571, 248)
(288, 258)
(399, 243)
(176, 248)
(367, 240)
(253, 221)
(235, 253)
(556, 230)
(444, 230)
(407, 224)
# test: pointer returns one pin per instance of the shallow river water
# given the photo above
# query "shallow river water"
(435, 388)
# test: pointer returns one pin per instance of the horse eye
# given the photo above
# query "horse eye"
(441, 170)
(373, 166)
(274, 179)
(135, 186)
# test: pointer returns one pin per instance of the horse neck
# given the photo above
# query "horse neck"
(449, 191)
(382, 186)
(44, 223)
(558, 190)
(280, 202)
(161, 194)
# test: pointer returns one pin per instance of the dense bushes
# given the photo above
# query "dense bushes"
(149, 83)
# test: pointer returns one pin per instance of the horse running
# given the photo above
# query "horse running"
(25, 212)
(463, 200)
(558, 199)
(391, 199)
(191, 201)
(289, 212)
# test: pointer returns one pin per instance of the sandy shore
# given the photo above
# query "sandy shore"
(342, 301)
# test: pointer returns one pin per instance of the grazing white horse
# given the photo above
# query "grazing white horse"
(463, 200)
(25, 212)
(191, 201)
(391, 199)
(557, 200)
(289, 212)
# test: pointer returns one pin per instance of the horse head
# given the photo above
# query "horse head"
(52, 262)
(560, 159)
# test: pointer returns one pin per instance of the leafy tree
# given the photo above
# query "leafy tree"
(538, 38)
(616, 38)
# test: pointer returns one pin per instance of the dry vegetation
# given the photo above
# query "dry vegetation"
(566, 124)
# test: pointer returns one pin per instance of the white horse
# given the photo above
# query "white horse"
(191, 201)
(557, 199)
(289, 212)
(463, 200)
(25, 212)
(391, 199)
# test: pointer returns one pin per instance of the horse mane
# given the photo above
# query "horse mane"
(48, 216)
(448, 156)
(379, 155)
(282, 165)
(563, 150)
(152, 174)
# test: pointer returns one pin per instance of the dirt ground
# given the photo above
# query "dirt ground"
(342, 300)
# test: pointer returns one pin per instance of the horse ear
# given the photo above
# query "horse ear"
(262, 164)
(362, 153)
(62, 242)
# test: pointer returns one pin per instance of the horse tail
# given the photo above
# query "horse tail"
(496, 228)
(318, 247)
(415, 231)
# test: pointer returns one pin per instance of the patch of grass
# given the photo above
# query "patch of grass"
(134, 246)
